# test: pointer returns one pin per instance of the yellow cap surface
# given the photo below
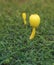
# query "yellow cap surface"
(24, 16)
(34, 20)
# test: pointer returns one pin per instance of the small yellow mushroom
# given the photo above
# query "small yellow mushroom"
(34, 20)
(24, 18)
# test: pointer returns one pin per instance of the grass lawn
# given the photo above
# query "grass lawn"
(15, 46)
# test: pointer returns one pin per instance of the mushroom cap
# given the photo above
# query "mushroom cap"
(24, 15)
(34, 20)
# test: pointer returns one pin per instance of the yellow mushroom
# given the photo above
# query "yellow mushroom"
(34, 20)
(24, 18)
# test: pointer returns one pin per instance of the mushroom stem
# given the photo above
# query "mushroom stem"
(32, 34)
(24, 18)
(24, 22)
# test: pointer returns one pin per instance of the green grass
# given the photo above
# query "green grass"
(15, 46)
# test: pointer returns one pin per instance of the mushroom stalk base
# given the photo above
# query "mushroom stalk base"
(32, 34)
(24, 22)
